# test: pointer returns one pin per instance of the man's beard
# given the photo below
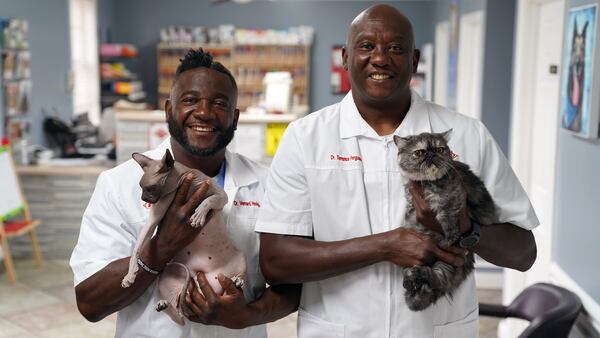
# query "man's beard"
(223, 139)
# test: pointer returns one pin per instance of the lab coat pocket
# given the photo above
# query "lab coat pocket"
(312, 326)
(468, 327)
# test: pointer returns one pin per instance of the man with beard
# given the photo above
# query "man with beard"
(202, 116)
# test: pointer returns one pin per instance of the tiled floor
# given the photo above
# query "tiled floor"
(42, 304)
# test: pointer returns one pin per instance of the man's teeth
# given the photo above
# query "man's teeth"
(380, 76)
(202, 128)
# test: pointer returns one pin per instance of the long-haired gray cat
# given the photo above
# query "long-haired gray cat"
(448, 185)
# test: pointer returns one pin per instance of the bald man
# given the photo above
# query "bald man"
(334, 208)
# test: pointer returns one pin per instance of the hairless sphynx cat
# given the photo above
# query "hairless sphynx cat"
(212, 251)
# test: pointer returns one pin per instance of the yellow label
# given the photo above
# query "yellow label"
(273, 134)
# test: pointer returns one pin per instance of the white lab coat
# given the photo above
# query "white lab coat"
(115, 216)
(333, 177)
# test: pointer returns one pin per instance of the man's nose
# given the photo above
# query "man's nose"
(204, 109)
(379, 56)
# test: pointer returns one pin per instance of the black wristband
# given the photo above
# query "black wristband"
(147, 268)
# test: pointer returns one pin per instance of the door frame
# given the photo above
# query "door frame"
(467, 74)
(440, 71)
(520, 137)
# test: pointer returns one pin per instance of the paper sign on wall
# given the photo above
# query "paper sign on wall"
(273, 134)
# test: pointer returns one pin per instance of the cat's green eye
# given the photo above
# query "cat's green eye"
(440, 150)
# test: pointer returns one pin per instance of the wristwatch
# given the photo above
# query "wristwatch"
(469, 240)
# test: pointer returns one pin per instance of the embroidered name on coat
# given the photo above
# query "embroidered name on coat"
(349, 158)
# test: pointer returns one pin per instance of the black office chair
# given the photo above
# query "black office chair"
(550, 309)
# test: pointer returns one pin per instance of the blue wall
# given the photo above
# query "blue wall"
(50, 56)
(577, 219)
(139, 21)
(497, 60)
(497, 69)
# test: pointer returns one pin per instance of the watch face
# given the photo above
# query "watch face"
(468, 242)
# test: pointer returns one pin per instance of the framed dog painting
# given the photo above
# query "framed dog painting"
(579, 109)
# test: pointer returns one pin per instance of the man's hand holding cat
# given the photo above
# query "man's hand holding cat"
(229, 309)
(427, 217)
(407, 248)
(175, 230)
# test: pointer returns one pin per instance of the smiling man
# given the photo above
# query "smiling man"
(334, 204)
(202, 117)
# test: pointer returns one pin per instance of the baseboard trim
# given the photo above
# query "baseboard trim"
(561, 278)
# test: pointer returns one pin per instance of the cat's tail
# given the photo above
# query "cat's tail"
(181, 308)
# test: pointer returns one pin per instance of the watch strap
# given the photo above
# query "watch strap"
(469, 240)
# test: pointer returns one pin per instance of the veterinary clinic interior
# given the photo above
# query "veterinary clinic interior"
(84, 84)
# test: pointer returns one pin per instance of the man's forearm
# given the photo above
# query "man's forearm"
(507, 245)
(275, 303)
(102, 294)
(291, 259)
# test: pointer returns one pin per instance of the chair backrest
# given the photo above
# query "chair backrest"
(551, 310)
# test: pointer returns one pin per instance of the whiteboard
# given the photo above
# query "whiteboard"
(10, 196)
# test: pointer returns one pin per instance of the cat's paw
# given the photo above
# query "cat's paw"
(420, 300)
(198, 219)
(128, 279)
(161, 305)
(238, 281)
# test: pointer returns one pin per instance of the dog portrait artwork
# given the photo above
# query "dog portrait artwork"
(575, 81)
(577, 112)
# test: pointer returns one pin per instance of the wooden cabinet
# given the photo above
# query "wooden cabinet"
(58, 197)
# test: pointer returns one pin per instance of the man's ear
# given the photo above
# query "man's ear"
(141, 159)
(345, 57)
(416, 58)
(168, 109)
(167, 161)
(236, 116)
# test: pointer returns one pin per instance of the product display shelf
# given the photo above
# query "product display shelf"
(116, 81)
(15, 81)
(248, 63)
(169, 55)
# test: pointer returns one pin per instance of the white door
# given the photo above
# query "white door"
(544, 130)
(470, 64)
(442, 45)
(534, 129)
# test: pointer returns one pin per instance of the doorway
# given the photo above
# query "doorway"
(442, 44)
(470, 64)
(534, 129)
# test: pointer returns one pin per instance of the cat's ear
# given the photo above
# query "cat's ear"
(401, 142)
(141, 159)
(167, 161)
(447, 134)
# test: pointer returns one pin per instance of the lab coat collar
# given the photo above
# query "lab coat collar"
(415, 122)
(237, 172)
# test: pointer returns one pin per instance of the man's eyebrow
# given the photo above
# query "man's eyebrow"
(218, 95)
(366, 35)
(188, 92)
